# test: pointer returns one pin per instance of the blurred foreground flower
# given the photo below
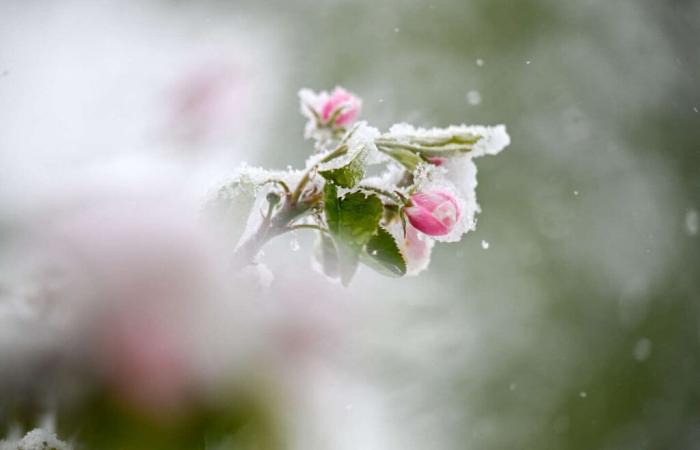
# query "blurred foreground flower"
(37, 439)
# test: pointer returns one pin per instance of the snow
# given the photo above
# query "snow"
(474, 98)
(642, 350)
(361, 139)
(493, 139)
(692, 222)
(36, 439)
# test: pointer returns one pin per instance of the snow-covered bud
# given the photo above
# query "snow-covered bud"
(341, 108)
(436, 160)
(332, 112)
(433, 212)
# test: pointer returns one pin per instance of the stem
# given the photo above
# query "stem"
(290, 211)
(270, 227)
(281, 183)
(309, 226)
(340, 151)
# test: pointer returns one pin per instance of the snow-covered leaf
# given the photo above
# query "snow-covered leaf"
(352, 221)
(383, 254)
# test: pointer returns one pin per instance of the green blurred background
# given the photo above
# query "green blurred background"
(579, 327)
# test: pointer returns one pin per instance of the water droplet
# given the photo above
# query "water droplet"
(583, 394)
(480, 62)
(528, 62)
(473, 98)
(294, 243)
(692, 222)
(642, 350)
(695, 108)
(485, 245)
(575, 192)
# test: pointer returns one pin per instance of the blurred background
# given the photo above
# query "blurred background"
(570, 319)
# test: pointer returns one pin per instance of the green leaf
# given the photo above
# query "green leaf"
(382, 254)
(327, 256)
(346, 170)
(352, 220)
(406, 158)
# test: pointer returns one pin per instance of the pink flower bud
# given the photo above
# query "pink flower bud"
(436, 160)
(341, 107)
(433, 212)
(341, 104)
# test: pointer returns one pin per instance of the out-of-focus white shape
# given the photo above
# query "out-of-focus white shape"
(485, 245)
(642, 350)
(583, 394)
(258, 274)
(97, 95)
(479, 62)
(692, 222)
(37, 439)
(474, 98)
